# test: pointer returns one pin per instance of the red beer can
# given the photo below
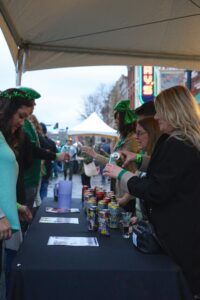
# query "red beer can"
(84, 188)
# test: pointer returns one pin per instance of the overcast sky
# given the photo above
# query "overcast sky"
(62, 90)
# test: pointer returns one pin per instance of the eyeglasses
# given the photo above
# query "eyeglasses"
(140, 133)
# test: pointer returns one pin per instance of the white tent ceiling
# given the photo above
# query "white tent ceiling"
(93, 125)
(51, 34)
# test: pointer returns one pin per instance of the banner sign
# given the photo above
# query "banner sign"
(147, 83)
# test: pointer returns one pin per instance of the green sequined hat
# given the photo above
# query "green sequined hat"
(13, 93)
(31, 93)
(124, 106)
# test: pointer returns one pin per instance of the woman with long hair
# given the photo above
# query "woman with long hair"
(147, 134)
(13, 111)
(171, 187)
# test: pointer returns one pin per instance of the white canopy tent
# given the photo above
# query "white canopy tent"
(52, 34)
(93, 126)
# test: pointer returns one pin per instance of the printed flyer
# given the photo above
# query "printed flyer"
(58, 220)
(72, 241)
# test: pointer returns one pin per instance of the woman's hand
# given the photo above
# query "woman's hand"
(5, 229)
(63, 156)
(24, 213)
(127, 157)
(111, 171)
(89, 151)
(133, 220)
(122, 201)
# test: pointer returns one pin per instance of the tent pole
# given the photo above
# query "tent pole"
(20, 66)
(18, 78)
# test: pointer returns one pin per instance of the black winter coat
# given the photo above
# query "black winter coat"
(171, 192)
(47, 144)
(27, 152)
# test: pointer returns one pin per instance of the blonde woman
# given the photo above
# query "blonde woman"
(171, 189)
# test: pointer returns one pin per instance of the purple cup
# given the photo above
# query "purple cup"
(64, 194)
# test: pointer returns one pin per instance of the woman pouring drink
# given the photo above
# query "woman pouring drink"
(171, 188)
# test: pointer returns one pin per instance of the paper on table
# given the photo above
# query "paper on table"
(74, 210)
(58, 220)
(62, 210)
(72, 241)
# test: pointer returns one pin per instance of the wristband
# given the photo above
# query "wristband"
(18, 205)
(138, 159)
(121, 173)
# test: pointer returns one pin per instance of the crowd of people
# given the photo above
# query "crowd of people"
(156, 176)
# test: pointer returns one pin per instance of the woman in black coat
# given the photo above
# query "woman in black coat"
(171, 189)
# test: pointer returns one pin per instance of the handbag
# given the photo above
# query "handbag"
(90, 169)
(145, 239)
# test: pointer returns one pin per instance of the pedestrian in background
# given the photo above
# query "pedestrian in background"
(47, 166)
(69, 164)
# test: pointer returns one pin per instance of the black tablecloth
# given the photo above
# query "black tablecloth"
(114, 270)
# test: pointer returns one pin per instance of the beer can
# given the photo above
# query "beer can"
(92, 191)
(103, 220)
(91, 202)
(107, 199)
(92, 218)
(102, 205)
(114, 215)
(100, 195)
(114, 157)
(109, 194)
(99, 188)
(113, 199)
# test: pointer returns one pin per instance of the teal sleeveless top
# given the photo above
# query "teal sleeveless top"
(8, 180)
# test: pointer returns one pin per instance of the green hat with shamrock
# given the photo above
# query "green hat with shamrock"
(124, 106)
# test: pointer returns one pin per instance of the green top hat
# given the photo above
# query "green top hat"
(31, 93)
(124, 106)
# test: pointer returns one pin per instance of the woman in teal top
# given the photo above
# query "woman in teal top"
(9, 220)
(13, 111)
(8, 211)
(8, 181)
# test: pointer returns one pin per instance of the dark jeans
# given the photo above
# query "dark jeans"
(44, 188)
(130, 206)
(30, 194)
(56, 168)
(1, 257)
(103, 178)
(85, 180)
(8, 260)
(68, 166)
